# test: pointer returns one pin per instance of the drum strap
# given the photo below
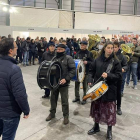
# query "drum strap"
(110, 66)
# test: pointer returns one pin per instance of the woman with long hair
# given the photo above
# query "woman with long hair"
(103, 110)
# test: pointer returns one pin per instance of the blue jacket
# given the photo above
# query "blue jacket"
(67, 50)
(13, 97)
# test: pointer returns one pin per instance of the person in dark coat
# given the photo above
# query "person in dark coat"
(50, 42)
(123, 61)
(103, 110)
(76, 45)
(87, 57)
(41, 50)
(45, 43)
(32, 50)
(67, 49)
(68, 72)
(19, 50)
(25, 49)
(13, 97)
(48, 56)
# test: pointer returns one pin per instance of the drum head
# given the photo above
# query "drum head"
(96, 86)
(81, 71)
(49, 75)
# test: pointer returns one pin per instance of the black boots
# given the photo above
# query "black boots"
(109, 133)
(94, 129)
(119, 112)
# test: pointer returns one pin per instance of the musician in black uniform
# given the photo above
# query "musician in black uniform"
(48, 56)
(87, 57)
(68, 72)
(123, 62)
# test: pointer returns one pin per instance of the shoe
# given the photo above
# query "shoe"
(24, 65)
(50, 117)
(94, 130)
(45, 96)
(109, 133)
(135, 87)
(66, 120)
(76, 100)
(83, 102)
(27, 64)
(119, 112)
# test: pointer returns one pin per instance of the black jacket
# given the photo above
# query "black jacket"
(32, 47)
(19, 50)
(41, 49)
(68, 68)
(13, 97)
(25, 46)
(48, 56)
(98, 67)
(87, 56)
(122, 59)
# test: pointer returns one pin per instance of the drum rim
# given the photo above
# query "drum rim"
(78, 72)
(60, 75)
(47, 73)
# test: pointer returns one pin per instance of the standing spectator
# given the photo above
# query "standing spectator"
(45, 43)
(134, 64)
(41, 50)
(32, 47)
(50, 42)
(67, 49)
(76, 45)
(13, 97)
(69, 46)
(25, 48)
(19, 50)
(48, 56)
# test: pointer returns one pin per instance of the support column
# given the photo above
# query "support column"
(72, 4)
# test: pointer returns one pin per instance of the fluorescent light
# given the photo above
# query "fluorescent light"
(3, 3)
(11, 10)
(5, 9)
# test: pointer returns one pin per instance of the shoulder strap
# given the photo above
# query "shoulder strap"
(110, 66)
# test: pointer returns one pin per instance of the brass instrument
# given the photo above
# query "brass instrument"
(127, 51)
(93, 40)
(95, 54)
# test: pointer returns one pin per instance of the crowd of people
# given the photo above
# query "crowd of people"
(111, 65)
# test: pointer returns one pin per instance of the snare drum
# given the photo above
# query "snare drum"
(49, 75)
(96, 91)
(80, 71)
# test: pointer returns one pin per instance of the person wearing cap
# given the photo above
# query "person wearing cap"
(48, 56)
(68, 72)
(87, 57)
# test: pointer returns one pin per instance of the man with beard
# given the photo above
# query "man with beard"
(87, 57)
(68, 72)
(48, 56)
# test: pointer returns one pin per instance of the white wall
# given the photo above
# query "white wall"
(102, 21)
(30, 17)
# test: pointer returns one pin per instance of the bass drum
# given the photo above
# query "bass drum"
(80, 71)
(49, 75)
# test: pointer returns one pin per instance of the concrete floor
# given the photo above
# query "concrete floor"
(36, 128)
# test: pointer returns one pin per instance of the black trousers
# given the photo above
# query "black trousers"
(19, 54)
(64, 100)
(119, 84)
